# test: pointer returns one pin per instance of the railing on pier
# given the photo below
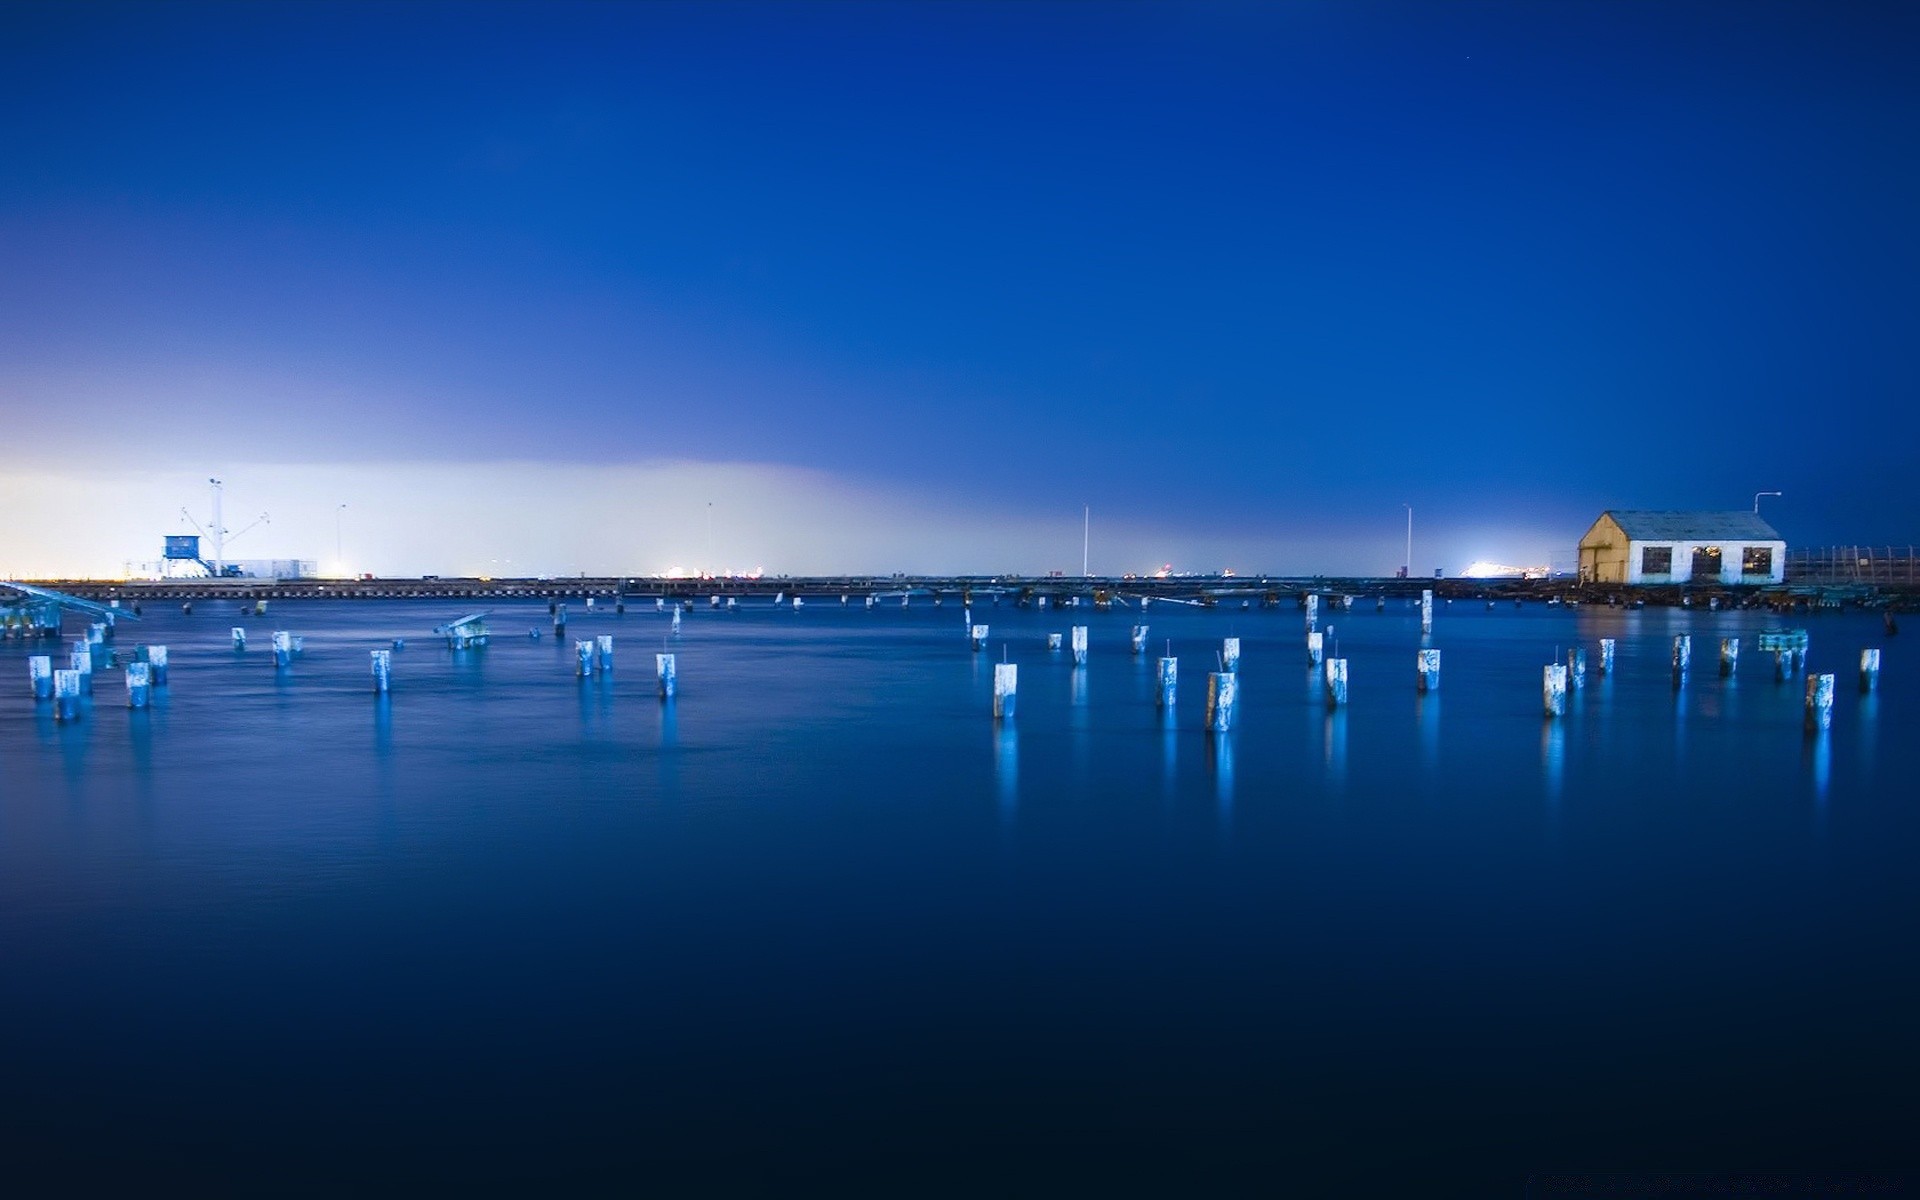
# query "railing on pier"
(1854, 564)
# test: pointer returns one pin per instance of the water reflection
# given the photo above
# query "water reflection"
(1820, 760)
(1553, 757)
(1335, 739)
(1078, 689)
(383, 724)
(1006, 769)
(1426, 710)
(1220, 762)
(1169, 752)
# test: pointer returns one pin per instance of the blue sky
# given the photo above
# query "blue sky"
(1246, 278)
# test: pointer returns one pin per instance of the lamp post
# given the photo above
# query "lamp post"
(1756, 500)
(1408, 573)
(339, 559)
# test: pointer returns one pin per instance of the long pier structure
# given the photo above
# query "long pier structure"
(1100, 591)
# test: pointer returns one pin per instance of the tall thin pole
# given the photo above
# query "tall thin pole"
(1756, 500)
(710, 570)
(219, 532)
(1086, 538)
(339, 559)
(1409, 571)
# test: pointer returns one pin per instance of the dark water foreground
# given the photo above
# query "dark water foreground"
(819, 926)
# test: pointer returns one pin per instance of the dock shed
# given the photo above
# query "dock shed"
(1642, 547)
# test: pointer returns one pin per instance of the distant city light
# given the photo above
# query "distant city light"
(1482, 569)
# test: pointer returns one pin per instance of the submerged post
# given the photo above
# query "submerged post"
(1553, 689)
(382, 671)
(81, 661)
(1819, 703)
(1606, 656)
(604, 643)
(1053, 641)
(583, 658)
(1577, 668)
(1223, 697)
(1230, 654)
(1682, 654)
(663, 665)
(1729, 657)
(979, 633)
(40, 674)
(1006, 686)
(1316, 648)
(66, 695)
(239, 638)
(139, 685)
(1869, 669)
(1169, 676)
(282, 649)
(1139, 639)
(1428, 667)
(1079, 645)
(1426, 610)
(1336, 682)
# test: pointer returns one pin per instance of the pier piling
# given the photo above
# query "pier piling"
(1577, 668)
(1606, 656)
(239, 638)
(1869, 669)
(1139, 639)
(1428, 668)
(1682, 655)
(1819, 703)
(1169, 676)
(66, 695)
(1223, 697)
(139, 684)
(1316, 648)
(583, 658)
(382, 671)
(1079, 645)
(157, 661)
(40, 675)
(979, 638)
(1336, 674)
(1426, 611)
(663, 666)
(282, 649)
(1230, 654)
(1553, 689)
(1729, 657)
(1006, 687)
(1053, 641)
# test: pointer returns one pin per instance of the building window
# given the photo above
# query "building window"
(1656, 560)
(1706, 562)
(1757, 560)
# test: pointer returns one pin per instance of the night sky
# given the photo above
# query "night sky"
(903, 286)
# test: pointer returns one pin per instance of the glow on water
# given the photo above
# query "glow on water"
(509, 924)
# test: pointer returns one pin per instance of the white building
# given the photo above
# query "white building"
(1682, 547)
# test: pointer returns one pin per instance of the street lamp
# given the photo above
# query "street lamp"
(1756, 500)
(1408, 573)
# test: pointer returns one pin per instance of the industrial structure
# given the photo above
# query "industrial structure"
(1641, 547)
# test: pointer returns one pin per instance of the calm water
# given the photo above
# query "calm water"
(818, 923)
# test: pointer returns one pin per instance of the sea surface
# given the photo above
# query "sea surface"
(818, 925)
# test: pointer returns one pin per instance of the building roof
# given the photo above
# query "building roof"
(1650, 526)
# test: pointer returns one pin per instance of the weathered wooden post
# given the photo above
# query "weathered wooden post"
(663, 665)
(1819, 703)
(797, 602)
(589, 605)
(1313, 612)
(1428, 666)
(1729, 657)
(560, 620)
(1223, 697)
(1606, 656)
(869, 601)
(603, 645)
(1553, 689)
(1782, 665)
(66, 695)
(1426, 611)
(1682, 655)
(1230, 654)
(40, 674)
(675, 627)
(157, 665)
(80, 660)
(733, 603)
(1577, 668)
(1053, 641)
(1869, 670)
(1316, 648)
(139, 684)
(1079, 645)
(1006, 687)
(659, 604)
(282, 649)
(583, 655)
(1139, 639)
(979, 633)
(382, 671)
(1169, 675)
(239, 638)
(1336, 682)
